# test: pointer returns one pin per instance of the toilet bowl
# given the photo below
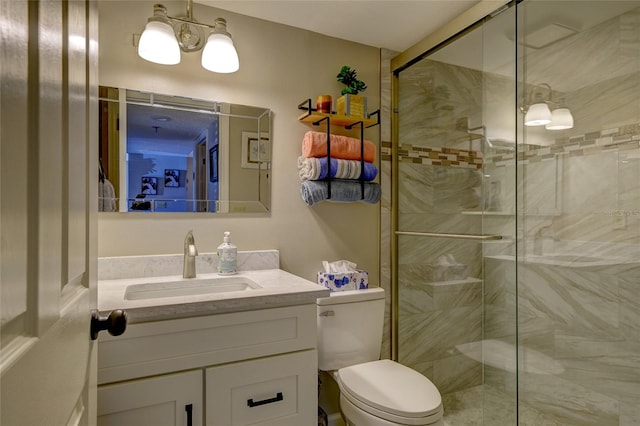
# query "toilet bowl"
(373, 392)
(387, 393)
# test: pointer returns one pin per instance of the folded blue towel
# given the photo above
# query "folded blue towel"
(315, 191)
(317, 169)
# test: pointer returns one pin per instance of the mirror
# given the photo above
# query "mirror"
(163, 153)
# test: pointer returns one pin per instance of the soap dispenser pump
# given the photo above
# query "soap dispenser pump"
(227, 256)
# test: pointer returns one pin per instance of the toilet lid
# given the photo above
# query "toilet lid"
(391, 387)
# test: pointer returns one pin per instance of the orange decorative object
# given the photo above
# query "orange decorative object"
(323, 104)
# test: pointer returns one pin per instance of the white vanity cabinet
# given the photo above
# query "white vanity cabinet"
(255, 367)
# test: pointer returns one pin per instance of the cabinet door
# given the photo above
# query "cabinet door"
(277, 391)
(168, 400)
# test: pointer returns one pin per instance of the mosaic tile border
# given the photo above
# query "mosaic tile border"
(447, 157)
(619, 138)
(593, 143)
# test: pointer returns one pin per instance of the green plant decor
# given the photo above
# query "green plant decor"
(349, 78)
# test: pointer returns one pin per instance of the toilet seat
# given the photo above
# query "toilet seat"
(392, 392)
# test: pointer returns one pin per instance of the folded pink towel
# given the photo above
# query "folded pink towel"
(314, 144)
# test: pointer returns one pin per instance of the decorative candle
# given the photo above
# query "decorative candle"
(323, 104)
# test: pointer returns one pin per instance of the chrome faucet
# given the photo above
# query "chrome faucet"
(190, 253)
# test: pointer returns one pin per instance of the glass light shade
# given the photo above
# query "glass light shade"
(561, 119)
(158, 44)
(219, 54)
(537, 115)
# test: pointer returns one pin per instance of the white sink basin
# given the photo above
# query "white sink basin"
(189, 287)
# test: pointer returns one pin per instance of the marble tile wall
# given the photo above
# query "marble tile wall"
(440, 181)
(578, 338)
(440, 294)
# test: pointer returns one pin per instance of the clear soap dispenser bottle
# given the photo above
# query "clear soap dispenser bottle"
(227, 256)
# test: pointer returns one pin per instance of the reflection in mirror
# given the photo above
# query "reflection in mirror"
(161, 153)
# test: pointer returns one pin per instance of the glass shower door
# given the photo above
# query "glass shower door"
(455, 231)
(579, 222)
(541, 326)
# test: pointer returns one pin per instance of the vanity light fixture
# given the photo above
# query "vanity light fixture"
(539, 113)
(165, 36)
(561, 119)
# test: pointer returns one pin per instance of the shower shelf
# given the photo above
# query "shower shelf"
(312, 116)
(492, 213)
(486, 213)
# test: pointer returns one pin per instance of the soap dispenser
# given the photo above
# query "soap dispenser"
(227, 256)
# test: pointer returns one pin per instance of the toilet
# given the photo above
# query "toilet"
(373, 392)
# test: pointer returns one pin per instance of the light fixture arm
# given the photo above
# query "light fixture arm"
(186, 20)
(536, 95)
(190, 33)
(189, 18)
(190, 10)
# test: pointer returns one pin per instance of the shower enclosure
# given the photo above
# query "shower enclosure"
(516, 170)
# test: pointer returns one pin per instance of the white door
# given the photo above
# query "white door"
(48, 204)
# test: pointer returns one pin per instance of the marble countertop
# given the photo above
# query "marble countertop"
(278, 289)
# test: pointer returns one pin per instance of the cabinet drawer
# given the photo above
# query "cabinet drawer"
(153, 348)
(277, 391)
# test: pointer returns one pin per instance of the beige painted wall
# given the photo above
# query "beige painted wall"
(280, 66)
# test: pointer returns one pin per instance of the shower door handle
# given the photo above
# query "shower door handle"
(477, 237)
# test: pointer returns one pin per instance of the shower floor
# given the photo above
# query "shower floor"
(484, 405)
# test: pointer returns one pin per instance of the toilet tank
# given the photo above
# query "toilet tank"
(350, 328)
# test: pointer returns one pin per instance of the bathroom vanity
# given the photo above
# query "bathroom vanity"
(243, 355)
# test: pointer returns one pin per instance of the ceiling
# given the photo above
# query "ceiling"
(391, 24)
(150, 129)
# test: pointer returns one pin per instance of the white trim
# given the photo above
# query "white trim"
(14, 351)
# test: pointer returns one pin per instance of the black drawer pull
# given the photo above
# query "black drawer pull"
(277, 398)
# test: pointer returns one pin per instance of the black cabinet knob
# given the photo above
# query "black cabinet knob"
(115, 323)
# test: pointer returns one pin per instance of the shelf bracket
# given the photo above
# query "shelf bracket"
(376, 113)
(307, 108)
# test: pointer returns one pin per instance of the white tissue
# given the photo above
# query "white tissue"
(447, 268)
(446, 259)
(339, 266)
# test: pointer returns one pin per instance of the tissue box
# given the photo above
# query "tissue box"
(341, 281)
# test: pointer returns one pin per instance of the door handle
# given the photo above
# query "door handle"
(115, 323)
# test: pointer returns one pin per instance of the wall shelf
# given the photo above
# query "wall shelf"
(311, 115)
(338, 120)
